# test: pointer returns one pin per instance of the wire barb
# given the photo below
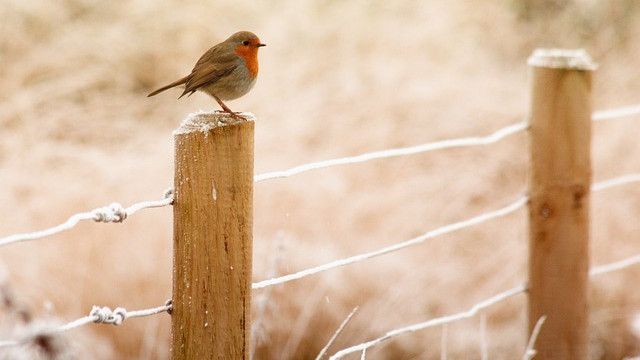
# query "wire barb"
(115, 213)
(104, 315)
(98, 315)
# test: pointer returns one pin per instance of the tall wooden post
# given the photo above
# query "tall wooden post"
(559, 188)
(213, 227)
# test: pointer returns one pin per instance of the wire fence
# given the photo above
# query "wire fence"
(98, 315)
(114, 212)
(117, 213)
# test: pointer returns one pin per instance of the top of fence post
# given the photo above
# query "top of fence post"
(562, 59)
(203, 121)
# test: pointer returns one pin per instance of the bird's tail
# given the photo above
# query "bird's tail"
(173, 84)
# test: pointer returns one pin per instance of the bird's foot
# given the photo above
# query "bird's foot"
(235, 115)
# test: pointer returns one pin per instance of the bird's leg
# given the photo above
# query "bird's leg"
(227, 110)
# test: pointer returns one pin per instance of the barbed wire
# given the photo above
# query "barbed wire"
(395, 247)
(431, 146)
(602, 185)
(433, 322)
(598, 270)
(112, 213)
(117, 213)
(98, 315)
(500, 134)
(104, 315)
(496, 136)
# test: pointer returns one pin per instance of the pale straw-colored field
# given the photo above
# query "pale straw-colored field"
(337, 78)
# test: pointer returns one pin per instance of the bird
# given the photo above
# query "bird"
(227, 71)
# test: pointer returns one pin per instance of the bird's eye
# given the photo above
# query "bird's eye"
(245, 43)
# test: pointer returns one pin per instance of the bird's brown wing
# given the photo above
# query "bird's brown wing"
(211, 66)
(206, 74)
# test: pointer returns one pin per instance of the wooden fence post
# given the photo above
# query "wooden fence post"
(559, 188)
(213, 224)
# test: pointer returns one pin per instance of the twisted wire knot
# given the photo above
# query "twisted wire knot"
(112, 213)
(104, 315)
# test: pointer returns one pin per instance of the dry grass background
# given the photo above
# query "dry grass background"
(337, 78)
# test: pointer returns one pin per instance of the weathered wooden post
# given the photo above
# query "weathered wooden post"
(559, 188)
(213, 224)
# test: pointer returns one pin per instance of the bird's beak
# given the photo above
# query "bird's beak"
(259, 45)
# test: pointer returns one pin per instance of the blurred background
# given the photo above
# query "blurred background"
(337, 78)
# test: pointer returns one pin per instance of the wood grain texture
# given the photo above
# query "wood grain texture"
(559, 188)
(212, 237)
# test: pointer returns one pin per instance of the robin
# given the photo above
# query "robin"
(227, 71)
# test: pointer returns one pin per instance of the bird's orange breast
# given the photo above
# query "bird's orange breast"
(250, 56)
